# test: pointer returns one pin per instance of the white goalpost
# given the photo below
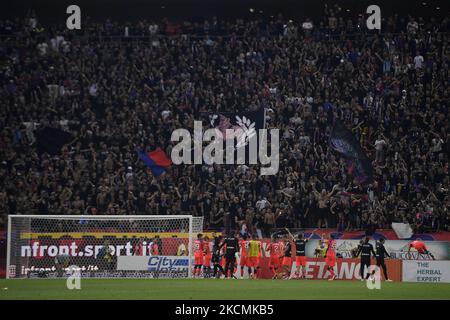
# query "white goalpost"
(49, 246)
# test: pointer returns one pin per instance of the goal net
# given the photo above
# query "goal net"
(101, 246)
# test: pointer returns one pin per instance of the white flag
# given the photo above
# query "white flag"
(402, 230)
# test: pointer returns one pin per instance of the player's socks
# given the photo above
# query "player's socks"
(332, 275)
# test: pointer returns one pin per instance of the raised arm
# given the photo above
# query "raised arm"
(311, 235)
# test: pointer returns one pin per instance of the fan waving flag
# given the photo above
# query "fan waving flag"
(157, 161)
(51, 140)
(358, 164)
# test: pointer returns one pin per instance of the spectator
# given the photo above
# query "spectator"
(113, 96)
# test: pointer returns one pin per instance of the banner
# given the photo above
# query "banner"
(397, 249)
(386, 234)
(155, 266)
(347, 269)
(426, 271)
(43, 254)
(152, 263)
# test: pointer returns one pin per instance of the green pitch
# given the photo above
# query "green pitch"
(218, 289)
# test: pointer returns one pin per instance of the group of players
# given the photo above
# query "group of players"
(222, 254)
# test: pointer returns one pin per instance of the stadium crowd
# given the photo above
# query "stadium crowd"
(116, 87)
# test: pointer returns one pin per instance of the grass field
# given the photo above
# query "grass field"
(212, 289)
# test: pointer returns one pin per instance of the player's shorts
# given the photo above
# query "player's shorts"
(287, 261)
(253, 262)
(274, 262)
(198, 258)
(243, 261)
(231, 257)
(207, 260)
(300, 261)
(330, 261)
(223, 261)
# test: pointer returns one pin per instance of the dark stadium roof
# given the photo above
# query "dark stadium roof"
(51, 10)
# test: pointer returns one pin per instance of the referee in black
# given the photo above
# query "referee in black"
(215, 259)
(380, 254)
(365, 249)
(231, 244)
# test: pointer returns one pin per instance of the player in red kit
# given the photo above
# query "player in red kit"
(198, 255)
(254, 256)
(275, 248)
(208, 255)
(223, 261)
(243, 261)
(330, 257)
(154, 248)
(421, 248)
